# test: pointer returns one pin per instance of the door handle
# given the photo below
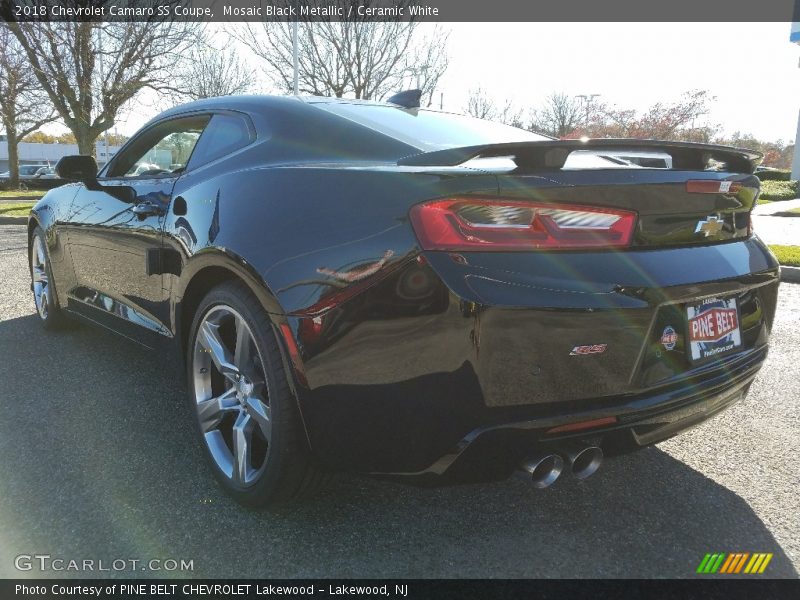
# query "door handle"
(147, 209)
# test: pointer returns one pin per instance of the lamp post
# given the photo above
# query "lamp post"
(415, 74)
(796, 157)
(587, 101)
(416, 71)
(794, 36)
(100, 61)
(295, 59)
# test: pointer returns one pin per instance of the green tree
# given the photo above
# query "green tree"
(91, 69)
(23, 104)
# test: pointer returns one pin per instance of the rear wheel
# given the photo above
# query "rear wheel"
(42, 282)
(246, 416)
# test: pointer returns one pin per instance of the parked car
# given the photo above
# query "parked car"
(46, 173)
(383, 288)
(25, 172)
(33, 176)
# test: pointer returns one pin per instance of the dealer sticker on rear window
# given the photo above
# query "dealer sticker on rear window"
(713, 328)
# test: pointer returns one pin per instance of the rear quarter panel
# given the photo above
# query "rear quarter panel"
(304, 229)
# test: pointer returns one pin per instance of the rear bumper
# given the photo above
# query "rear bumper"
(641, 421)
(450, 362)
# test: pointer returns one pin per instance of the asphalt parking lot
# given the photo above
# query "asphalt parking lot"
(98, 461)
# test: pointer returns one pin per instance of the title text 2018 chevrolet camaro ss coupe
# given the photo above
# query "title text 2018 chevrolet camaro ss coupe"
(403, 292)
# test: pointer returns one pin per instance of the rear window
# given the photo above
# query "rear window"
(224, 135)
(427, 129)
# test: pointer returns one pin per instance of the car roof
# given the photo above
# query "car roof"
(258, 104)
(299, 127)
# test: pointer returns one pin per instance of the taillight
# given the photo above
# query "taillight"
(496, 224)
(707, 186)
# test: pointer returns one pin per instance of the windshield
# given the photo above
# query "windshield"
(428, 129)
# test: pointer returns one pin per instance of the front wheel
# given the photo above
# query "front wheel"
(246, 416)
(42, 282)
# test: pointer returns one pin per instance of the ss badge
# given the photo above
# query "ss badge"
(592, 349)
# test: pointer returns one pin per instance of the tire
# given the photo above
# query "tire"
(43, 283)
(245, 414)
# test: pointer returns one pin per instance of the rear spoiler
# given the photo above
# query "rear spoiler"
(548, 155)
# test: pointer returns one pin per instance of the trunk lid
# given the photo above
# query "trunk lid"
(682, 193)
(673, 208)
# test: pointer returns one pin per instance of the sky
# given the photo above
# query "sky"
(751, 69)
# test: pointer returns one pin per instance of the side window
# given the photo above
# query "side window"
(225, 134)
(161, 151)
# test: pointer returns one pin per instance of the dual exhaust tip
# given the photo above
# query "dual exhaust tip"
(543, 469)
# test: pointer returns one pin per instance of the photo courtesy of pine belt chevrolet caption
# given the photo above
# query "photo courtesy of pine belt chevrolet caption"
(383, 288)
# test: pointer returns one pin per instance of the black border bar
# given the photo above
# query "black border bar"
(598, 11)
(728, 588)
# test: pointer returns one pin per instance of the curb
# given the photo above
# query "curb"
(13, 220)
(790, 274)
(18, 199)
(775, 206)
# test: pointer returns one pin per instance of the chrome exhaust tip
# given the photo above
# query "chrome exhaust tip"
(583, 460)
(542, 470)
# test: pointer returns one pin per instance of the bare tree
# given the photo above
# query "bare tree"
(677, 120)
(321, 68)
(559, 116)
(362, 58)
(91, 69)
(511, 115)
(23, 104)
(214, 73)
(427, 64)
(480, 105)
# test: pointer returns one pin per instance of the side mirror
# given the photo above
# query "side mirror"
(79, 168)
(84, 169)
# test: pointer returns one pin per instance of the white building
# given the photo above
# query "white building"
(49, 154)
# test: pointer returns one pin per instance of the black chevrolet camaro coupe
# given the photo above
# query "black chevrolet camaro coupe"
(409, 293)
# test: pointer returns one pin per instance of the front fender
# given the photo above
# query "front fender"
(51, 213)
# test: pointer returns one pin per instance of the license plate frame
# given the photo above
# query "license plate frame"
(713, 329)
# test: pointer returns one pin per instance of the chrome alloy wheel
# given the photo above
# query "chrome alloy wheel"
(231, 395)
(39, 279)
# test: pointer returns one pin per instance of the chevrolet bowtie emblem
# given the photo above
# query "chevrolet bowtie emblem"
(709, 226)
